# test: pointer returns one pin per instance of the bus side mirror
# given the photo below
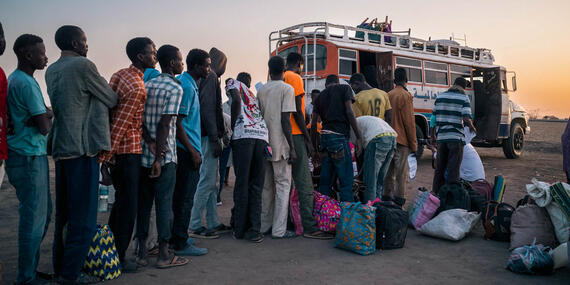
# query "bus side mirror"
(513, 80)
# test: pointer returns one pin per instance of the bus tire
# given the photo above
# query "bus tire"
(420, 137)
(513, 146)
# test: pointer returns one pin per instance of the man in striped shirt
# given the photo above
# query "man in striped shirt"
(452, 110)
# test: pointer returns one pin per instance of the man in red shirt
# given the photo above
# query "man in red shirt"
(124, 158)
(3, 122)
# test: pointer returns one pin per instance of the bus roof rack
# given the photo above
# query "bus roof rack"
(395, 40)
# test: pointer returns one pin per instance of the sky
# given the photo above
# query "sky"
(530, 37)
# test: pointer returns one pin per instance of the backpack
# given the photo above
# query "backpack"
(484, 188)
(497, 221)
(478, 202)
(453, 196)
(531, 222)
(391, 226)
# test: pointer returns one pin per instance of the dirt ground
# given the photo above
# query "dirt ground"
(423, 260)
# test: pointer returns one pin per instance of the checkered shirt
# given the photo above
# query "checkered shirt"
(164, 94)
(126, 118)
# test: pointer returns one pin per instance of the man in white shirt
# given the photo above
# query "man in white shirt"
(379, 142)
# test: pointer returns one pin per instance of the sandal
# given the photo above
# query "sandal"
(318, 235)
(153, 251)
(203, 233)
(174, 262)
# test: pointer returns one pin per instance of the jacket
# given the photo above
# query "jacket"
(403, 120)
(210, 96)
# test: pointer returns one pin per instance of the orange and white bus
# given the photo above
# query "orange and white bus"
(432, 66)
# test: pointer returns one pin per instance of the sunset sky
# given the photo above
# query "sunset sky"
(529, 37)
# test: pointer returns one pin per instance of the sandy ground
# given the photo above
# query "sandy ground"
(423, 260)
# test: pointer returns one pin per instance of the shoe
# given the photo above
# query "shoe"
(203, 233)
(219, 203)
(192, 250)
(256, 238)
(221, 229)
(190, 241)
(288, 234)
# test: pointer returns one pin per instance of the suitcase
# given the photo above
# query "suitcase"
(391, 226)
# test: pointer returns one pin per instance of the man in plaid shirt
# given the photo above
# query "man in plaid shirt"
(124, 158)
(158, 174)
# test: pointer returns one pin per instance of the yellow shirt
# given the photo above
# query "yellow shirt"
(371, 102)
(296, 81)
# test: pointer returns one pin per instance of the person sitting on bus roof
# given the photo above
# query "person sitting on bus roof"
(334, 107)
(452, 110)
(369, 101)
(405, 126)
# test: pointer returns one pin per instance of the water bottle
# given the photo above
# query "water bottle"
(103, 198)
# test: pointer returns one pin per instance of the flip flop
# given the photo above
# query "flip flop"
(319, 235)
(153, 251)
(176, 261)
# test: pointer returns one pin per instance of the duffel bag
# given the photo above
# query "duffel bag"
(326, 211)
(422, 208)
(484, 188)
(391, 226)
(530, 222)
(356, 230)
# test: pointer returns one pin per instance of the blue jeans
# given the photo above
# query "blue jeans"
(337, 159)
(30, 176)
(207, 191)
(183, 199)
(76, 200)
(224, 158)
(377, 157)
(158, 191)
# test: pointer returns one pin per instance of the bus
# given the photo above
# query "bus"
(432, 66)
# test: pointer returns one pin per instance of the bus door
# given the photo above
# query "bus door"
(377, 69)
(488, 102)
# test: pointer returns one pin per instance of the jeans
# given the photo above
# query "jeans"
(275, 197)
(158, 190)
(337, 160)
(207, 191)
(377, 157)
(224, 158)
(304, 183)
(125, 175)
(30, 176)
(398, 173)
(249, 164)
(449, 157)
(76, 201)
(183, 199)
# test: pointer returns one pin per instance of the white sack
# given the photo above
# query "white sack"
(452, 224)
(540, 192)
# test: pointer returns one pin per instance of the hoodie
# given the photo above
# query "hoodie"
(210, 96)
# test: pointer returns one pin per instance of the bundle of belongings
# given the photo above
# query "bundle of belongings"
(374, 25)
(539, 223)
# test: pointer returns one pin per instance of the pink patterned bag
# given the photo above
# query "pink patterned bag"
(295, 211)
(326, 211)
(422, 208)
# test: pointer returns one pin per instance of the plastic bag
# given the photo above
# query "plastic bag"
(422, 208)
(356, 230)
(413, 164)
(560, 256)
(531, 259)
(452, 224)
(540, 192)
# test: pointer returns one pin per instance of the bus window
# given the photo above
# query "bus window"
(460, 71)
(347, 64)
(284, 53)
(321, 57)
(436, 73)
(413, 68)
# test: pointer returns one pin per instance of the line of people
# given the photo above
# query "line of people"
(157, 137)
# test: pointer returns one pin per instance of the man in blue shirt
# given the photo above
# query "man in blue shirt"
(27, 167)
(188, 136)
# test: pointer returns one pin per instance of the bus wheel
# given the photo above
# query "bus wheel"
(513, 146)
(420, 137)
